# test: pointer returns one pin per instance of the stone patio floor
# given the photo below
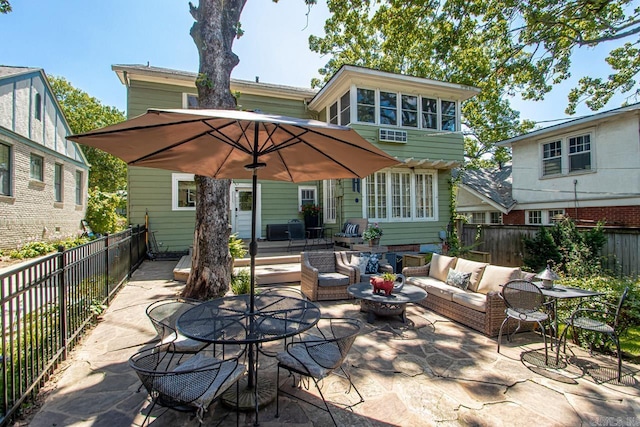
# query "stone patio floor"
(429, 372)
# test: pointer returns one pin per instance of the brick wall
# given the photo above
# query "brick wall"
(620, 216)
(513, 218)
(30, 213)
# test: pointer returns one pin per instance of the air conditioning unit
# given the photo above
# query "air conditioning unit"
(393, 135)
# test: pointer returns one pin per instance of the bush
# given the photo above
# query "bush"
(237, 247)
(241, 281)
(102, 212)
(36, 249)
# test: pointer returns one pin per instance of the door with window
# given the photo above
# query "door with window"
(242, 199)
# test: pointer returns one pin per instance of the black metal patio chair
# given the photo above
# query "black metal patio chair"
(297, 233)
(164, 314)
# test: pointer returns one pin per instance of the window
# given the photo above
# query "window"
(477, 218)
(412, 196)
(57, 182)
(37, 168)
(307, 196)
(345, 109)
(388, 108)
(37, 107)
(189, 100)
(410, 111)
(495, 218)
(183, 192)
(78, 188)
(5, 170)
(366, 99)
(534, 217)
(333, 113)
(580, 153)
(448, 115)
(400, 195)
(330, 202)
(429, 113)
(552, 158)
(555, 215)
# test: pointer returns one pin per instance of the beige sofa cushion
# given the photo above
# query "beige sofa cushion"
(434, 287)
(472, 300)
(440, 265)
(494, 276)
(475, 268)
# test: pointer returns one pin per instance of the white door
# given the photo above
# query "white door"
(242, 200)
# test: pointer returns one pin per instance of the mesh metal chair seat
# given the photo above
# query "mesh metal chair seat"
(185, 382)
(604, 321)
(278, 325)
(525, 303)
(320, 352)
(164, 315)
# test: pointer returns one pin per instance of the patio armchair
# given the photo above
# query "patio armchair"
(164, 314)
(604, 321)
(185, 382)
(345, 258)
(525, 303)
(320, 351)
(323, 278)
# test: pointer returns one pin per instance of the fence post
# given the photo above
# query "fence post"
(62, 295)
(106, 268)
(130, 250)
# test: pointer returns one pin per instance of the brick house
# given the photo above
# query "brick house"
(43, 176)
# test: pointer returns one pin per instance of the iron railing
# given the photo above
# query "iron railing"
(47, 304)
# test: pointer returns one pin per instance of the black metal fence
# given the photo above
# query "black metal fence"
(48, 303)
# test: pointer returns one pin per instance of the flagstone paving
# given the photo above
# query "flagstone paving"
(428, 372)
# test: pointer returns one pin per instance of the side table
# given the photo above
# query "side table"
(383, 305)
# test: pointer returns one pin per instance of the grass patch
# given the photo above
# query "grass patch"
(630, 342)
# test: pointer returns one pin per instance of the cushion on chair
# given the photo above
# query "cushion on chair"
(495, 276)
(325, 262)
(360, 262)
(332, 279)
(458, 279)
(440, 265)
(182, 344)
(298, 358)
(373, 264)
(475, 268)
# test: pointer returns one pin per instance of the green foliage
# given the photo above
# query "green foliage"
(241, 281)
(84, 113)
(102, 212)
(237, 247)
(5, 6)
(613, 288)
(567, 249)
(36, 249)
(97, 308)
(504, 48)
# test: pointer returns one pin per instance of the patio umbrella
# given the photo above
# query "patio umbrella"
(240, 144)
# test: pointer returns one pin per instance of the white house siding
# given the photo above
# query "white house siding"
(613, 181)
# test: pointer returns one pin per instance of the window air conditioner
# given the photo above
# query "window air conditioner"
(392, 135)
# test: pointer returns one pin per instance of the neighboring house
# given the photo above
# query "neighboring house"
(587, 169)
(414, 119)
(43, 176)
(484, 195)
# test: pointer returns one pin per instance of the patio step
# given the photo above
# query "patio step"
(269, 270)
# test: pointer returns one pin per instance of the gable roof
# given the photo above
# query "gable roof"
(493, 185)
(572, 123)
(6, 70)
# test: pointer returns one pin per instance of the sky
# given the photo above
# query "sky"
(80, 40)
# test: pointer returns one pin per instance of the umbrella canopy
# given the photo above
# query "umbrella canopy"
(229, 144)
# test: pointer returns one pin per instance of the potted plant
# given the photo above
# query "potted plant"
(311, 213)
(372, 234)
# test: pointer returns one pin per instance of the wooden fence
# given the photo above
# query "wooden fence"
(504, 242)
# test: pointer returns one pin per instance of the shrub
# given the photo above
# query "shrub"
(241, 282)
(237, 247)
(33, 249)
(102, 212)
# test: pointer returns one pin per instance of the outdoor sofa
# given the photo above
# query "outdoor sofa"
(479, 306)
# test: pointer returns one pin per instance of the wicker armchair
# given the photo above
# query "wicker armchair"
(320, 351)
(322, 278)
(163, 315)
(185, 381)
(344, 259)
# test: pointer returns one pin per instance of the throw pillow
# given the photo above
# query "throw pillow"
(351, 229)
(360, 262)
(495, 276)
(458, 279)
(373, 264)
(440, 265)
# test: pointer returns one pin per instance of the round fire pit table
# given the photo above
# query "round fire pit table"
(385, 305)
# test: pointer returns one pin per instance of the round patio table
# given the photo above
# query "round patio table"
(385, 305)
(228, 320)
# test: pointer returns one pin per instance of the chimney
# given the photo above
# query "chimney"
(257, 79)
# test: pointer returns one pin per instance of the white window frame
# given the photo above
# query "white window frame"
(185, 99)
(175, 179)
(303, 188)
(402, 110)
(529, 213)
(330, 202)
(79, 187)
(570, 155)
(498, 214)
(58, 182)
(551, 158)
(565, 164)
(381, 182)
(333, 118)
(481, 216)
(379, 107)
(8, 170)
(553, 212)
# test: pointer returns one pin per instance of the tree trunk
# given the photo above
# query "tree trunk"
(213, 32)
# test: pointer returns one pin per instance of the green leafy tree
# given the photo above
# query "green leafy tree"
(84, 113)
(5, 7)
(502, 47)
(102, 212)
